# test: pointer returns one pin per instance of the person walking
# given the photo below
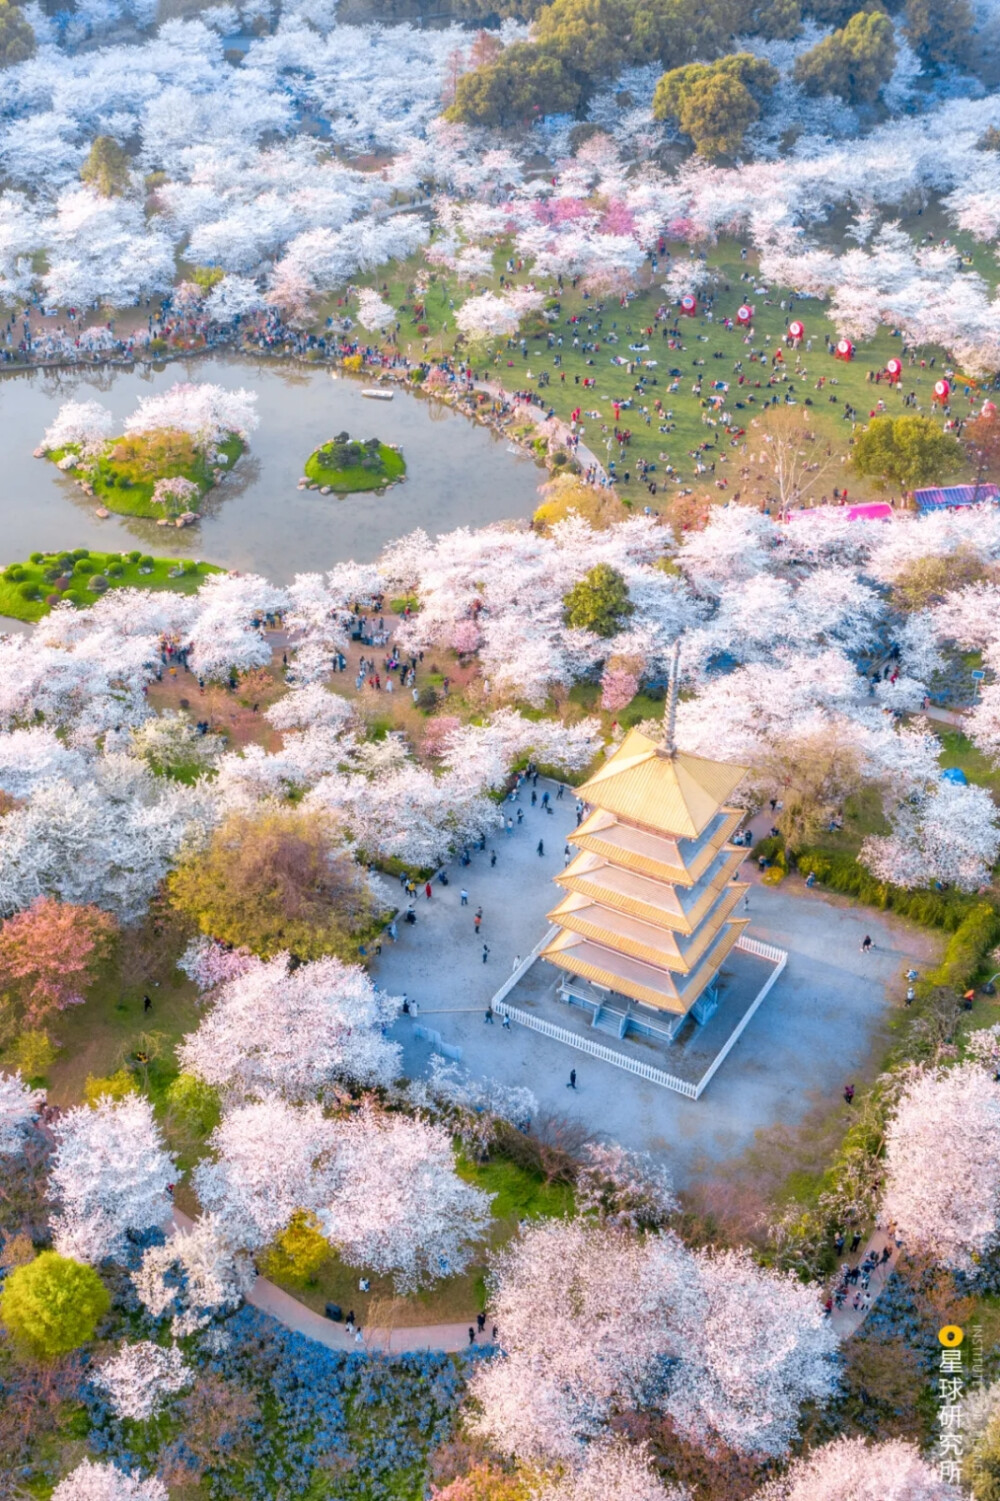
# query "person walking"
(489, 1015)
(849, 1093)
(428, 890)
(472, 1335)
(866, 944)
(855, 1241)
(480, 1322)
(506, 1022)
(493, 858)
(517, 961)
(572, 1079)
(477, 920)
(464, 896)
(541, 846)
(486, 952)
(147, 1003)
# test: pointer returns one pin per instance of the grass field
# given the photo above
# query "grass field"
(133, 575)
(707, 350)
(355, 477)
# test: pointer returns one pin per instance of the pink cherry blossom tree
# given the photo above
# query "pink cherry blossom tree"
(852, 1469)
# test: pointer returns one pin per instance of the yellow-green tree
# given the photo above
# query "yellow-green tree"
(907, 451)
(106, 168)
(299, 1251)
(939, 31)
(715, 103)
(854, 62)
(283, 881)
(525, 83)
(52, 1305)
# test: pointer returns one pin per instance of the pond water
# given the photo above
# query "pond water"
(458, 473)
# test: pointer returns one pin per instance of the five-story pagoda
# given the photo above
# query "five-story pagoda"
(650, 904)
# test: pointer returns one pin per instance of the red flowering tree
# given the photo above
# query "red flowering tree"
(49, 954)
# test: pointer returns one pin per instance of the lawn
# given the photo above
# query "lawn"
(707, 350)
(370, 472)
(957, 750)
(126, 485)
(134, 570)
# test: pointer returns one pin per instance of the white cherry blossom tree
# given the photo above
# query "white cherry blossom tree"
(19, 1107)
(942, 1157)
(852, 1469)
(109, 1175)
(140, 1377)
(92, 1481)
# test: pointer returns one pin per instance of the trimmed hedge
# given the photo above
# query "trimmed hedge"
(967, 946)
(841, 872)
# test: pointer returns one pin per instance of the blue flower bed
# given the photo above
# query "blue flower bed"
(350, 1427)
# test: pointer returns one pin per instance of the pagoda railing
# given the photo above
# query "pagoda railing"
(777, 957)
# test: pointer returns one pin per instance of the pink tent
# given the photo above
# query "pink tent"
(874, 510)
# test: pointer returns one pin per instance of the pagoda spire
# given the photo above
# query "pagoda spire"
(669, 742)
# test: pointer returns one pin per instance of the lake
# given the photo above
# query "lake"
(458, 473)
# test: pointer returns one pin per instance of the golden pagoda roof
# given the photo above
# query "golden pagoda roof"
(654, 855)
(678, 952)
(636, 979)
(657, 902)
(670, 792)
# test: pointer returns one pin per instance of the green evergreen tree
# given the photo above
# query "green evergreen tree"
(106, 168)
(17, 40)
(598, 602)
(714, 103)
(854, 62)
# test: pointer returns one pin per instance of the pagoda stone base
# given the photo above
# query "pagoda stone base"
(678, 1053)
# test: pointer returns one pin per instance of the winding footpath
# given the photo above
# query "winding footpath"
(285, 1309)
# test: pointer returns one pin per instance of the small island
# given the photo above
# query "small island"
(174, 449)
(29, 590)
(346, 464)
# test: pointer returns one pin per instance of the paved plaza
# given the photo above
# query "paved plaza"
(813, 1031)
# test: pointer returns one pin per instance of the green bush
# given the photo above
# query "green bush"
(81, 552)
(841, 872)
(97, 584)
(14, 574)
(36, 557)
(146, 561)
(967, 946)
(135, 556)
(52, 1305)
(28, 591)
(115, 570)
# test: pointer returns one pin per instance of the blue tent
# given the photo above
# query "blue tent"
(947, 499)
(955, 774)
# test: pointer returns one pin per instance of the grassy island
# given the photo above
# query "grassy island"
(346, 464)
(29, 590)
(161, 473)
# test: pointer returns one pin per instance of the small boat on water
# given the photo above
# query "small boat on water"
(377, 395)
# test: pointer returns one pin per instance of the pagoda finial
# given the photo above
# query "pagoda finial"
(669, 743)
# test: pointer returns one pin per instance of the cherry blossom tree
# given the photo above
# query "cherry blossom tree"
(139, 1378)
(83, 423)
(570, 1353)
(942, 1156)
(209, 963)
(49, 953)
(612, 1468)
(106, 1482)
(195, 1275)
(208, 412)
(398, 1206)
(109, 1175)
(270, 1160)
(624, 1189)
(19, 1107)
(754, 1346)
(373, 311)
(294, 1033)
(950, 835)
(852, 1469)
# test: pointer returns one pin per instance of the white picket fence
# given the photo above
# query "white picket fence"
(777, 957)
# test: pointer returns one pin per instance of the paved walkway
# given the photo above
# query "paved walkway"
(285, 1309)
(847, 1320)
